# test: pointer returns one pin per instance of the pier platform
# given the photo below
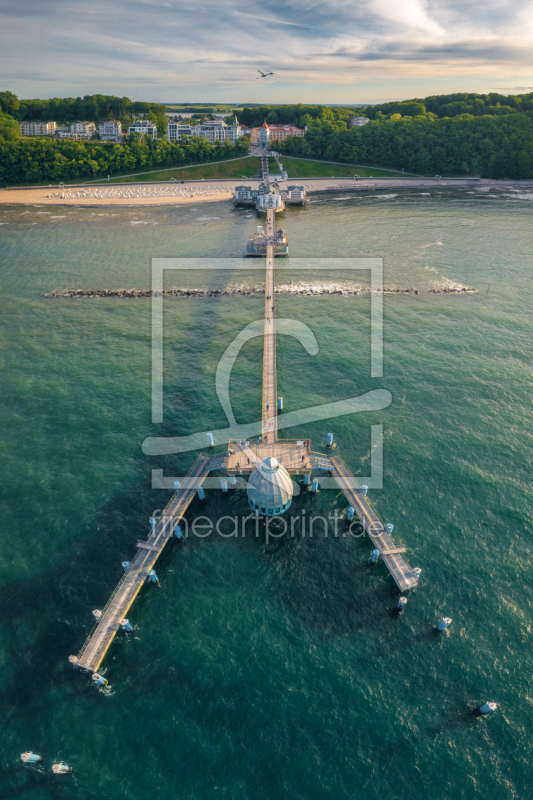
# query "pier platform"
(293, 454)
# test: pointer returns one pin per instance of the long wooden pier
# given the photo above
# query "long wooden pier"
(402, 573)
(97, 643)
(270, 393)
(242, 457)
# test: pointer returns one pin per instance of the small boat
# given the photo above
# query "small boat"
(30, 758)
(61, 768)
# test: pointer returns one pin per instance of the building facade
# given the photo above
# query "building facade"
(269, 196)
(110, 130)
(356, 122)
(145, 127)
(83, 129)
(37, 128)
(263, 136)
(213, 130)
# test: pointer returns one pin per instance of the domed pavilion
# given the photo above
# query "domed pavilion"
(269, 488)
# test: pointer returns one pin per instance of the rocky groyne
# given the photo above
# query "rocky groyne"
(126, 294)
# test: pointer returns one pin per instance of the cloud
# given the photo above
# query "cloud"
(189, 50)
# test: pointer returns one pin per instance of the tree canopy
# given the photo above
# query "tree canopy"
(435, 106)
(9, 128)
(93, 108)
(44, 160)
(499, 146)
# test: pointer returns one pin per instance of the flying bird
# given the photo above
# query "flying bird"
(264, 74)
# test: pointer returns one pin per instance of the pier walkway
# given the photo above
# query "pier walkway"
(100, 638)
(270, 392)
(402, 573)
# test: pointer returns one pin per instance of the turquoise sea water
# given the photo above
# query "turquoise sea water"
(269, 670)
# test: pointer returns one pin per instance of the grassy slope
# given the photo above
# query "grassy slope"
(235, 170)
(303, 168)
(225, 169)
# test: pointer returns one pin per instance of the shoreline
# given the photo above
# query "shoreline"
(224, 190)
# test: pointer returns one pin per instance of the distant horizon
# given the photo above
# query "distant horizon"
(250, 103)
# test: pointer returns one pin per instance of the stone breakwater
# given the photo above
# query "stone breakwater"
(131, 293)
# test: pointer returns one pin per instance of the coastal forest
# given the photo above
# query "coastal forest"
(30, 161)
(461, 134)
(490, 136)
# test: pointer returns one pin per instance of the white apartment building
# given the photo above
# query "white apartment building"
(83, 129)
(213, 130)
(37, 128)
(110, 130)
(356, 122)
(144, 127)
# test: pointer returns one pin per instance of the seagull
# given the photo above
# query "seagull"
(264, 74)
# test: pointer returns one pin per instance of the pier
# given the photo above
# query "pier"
(100, 638)
(404, 577)
(243, 457)
(270, 392)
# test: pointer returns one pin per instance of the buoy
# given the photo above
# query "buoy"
(329, 440)
(390, 527)
(31, 758)
(364, 489)
(153, 522)
(178, 533)
(374, 556)
(487, 708)
(98, 614)
(99, 679)
(307, 478)
(201, 493)
(224, 484)
(210, 440)
(280, 403)
(126, 625)
(233, 480)
(314, 485)
(402, 602)
(153, 576)
(61, 768)
(177, 485)
(351, 512)
(444, 624)
(126, 565)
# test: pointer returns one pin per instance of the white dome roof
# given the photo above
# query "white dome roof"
(270, 487)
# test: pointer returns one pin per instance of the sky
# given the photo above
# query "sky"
(339, 51)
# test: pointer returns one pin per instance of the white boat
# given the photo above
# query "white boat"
(30, 758)
(61, 768)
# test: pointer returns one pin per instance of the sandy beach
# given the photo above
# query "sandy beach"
(149, 194)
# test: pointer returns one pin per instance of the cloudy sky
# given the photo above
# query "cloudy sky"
(339, 51)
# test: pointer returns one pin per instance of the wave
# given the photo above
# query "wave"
(520, 195)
